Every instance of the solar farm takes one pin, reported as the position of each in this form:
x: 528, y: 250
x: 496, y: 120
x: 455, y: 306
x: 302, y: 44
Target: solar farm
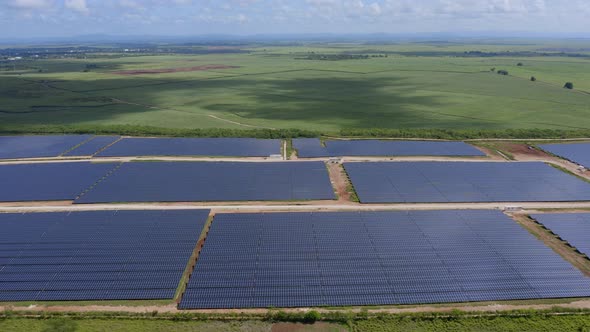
x: 223, y: 224
x: 579, y: 153
x: 313, y: 148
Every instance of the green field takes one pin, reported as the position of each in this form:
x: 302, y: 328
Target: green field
x: 393, y: 324
x: 415, y: 86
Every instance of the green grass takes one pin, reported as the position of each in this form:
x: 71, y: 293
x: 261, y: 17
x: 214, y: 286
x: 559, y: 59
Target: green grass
x: 126, y: 325
x: 455, y: 321
x: 473, y: 324
x: 271, y: 89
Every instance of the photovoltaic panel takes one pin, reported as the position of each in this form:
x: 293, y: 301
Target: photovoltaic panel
x: 311, y: 147
x: 213, y: 181
x: 573, y: 228
x: 92, y: 146
x: 222, y: 147
x: 374, y: 258
x: 13, y: 147
x: 96, y: 255
x: 578, y: 153
x: 418, y: 182
x: 49, y: 181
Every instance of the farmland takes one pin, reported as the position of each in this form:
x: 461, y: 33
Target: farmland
x: 413, y: 85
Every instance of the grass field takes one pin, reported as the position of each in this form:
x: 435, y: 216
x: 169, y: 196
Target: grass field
x: 273, y: 89
x: 395, y: 324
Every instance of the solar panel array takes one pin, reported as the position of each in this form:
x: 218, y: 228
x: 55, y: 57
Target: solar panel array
x: 374, y: 258
x: 311, y: 147
x: 92, y: 146
x: 571, y: 227
x: 227, y: 147
x: 13, y: 147
x: 49, y: 181
x: 576, y: 152
x: 213, y: 181
x: 99, y: 255
x: 416, y: 182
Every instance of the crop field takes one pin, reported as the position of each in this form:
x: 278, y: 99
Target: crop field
x: 402, y: 86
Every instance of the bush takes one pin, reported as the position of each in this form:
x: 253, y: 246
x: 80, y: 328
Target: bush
x: 311, y: 317
x: 533, y: 78
x: 519, y: 64
x: 569, y: 85
x: 503, y: 72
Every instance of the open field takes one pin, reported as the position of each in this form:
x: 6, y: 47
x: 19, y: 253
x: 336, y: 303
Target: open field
x: 456, y: 322
x: 415, y: 86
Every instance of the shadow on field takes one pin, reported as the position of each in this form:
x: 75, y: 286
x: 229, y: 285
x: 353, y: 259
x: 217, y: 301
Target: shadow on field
x: 362, y: 102
x: 337, y: 99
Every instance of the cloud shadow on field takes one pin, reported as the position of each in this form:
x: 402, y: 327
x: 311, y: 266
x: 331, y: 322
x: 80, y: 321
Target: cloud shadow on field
x: 351, y: 101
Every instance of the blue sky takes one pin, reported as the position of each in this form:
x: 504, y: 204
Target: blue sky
x: 63, y: 18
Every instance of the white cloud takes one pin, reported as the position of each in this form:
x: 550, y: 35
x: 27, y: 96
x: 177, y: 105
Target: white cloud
x: 30, y: 4
x: 375, y: 8
x: 77, y: 5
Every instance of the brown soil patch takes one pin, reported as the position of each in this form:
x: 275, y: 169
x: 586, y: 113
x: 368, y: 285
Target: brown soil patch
x: 171, y: 70
x: 521, y: 149
x: 339, y: 181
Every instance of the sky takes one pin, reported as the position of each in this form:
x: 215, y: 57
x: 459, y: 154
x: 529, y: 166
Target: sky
x: 67, y: 18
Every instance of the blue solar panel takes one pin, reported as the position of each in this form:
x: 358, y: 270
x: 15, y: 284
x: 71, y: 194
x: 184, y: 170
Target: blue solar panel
x: 92, y: 146
x: 416, y: 182
x: 571, y: 227
x: 311, y: 147
x: 578, y: 153
x: 213, y: 181
x: 226, y: 147
x: 96, y: 255
x: 12, y: 147
x: 374, y: 258
x: 49, y: 181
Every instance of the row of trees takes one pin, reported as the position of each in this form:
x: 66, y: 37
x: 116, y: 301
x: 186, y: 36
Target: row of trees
x: 447, y: 134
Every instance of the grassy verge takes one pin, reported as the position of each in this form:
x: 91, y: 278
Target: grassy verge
x: 192, y: 260
x: 350, y: 187
x: 494, y: 147
x: 290, y: 149
x: 523, y: 320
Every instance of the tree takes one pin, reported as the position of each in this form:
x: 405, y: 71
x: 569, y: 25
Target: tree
x: 533, y: 78
x: 569, y: 85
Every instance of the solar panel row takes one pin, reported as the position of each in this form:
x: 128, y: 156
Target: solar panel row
x: 571, y: 227
x: 226, y: 147
x: 311, y: 147
x: 14, y: 147
x: 576, y: 152
x: 92, y: 146
x: 413, y: 182
x: 373, y: 258
x: 49, y: 181
x: 164, y: 181
x: 213, y: 181
x: 96, y: 255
